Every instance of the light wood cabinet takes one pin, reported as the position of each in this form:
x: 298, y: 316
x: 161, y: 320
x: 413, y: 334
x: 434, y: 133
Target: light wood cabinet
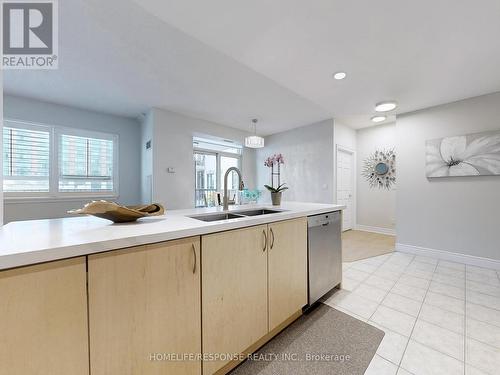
x: 43, y: 319
x: 140, y: 310
x: 254, y: 281
x: 145, y: 301
x: 287, y: 262
x: 234, y: 296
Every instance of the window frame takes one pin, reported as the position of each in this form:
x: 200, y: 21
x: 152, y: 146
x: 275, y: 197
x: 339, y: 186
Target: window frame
x: 55, y: 131
x: 218, y: 171
x: 9, y: 123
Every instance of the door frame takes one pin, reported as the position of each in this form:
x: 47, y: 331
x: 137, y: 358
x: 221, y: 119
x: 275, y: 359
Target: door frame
x: 354, y: 174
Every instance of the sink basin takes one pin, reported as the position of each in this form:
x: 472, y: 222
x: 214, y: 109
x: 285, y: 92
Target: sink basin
x: 220, y: 216
x: 216, y: 217
x: 263, y: 211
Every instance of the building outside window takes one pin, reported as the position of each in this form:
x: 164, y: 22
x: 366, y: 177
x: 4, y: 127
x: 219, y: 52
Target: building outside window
x: 26, y: 159
x: 56, y: 162
x: 85, y: 164
x: 211, y: 180
x: 212, y: 158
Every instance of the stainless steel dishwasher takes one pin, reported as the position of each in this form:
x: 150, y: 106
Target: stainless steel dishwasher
x: 324, y: 254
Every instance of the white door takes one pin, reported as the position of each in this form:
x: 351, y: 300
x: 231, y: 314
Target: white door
x: 345, y: 189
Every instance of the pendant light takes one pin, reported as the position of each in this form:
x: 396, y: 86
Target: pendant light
x: 254, y: 141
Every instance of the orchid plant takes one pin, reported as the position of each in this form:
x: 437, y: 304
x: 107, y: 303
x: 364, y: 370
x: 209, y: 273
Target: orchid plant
x: 272, y: 161
x: 278, y: 189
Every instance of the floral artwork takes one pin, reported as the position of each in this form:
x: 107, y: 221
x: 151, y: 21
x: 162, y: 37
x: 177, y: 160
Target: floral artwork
x: 467, y: 155
x: 380, y: 169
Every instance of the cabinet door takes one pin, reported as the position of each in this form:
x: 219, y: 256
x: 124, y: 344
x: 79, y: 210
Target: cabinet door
x: 287, y: 269
x: 145, y: 301
x: 43, y: 319
x: 234, y: 295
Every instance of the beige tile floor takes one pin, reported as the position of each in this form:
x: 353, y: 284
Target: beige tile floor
x: 439, y: 317
x: 358, y: 245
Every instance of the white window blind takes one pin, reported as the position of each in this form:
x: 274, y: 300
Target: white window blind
x: 217, y: 145
x: 85, y: 164
x: 46, y: 161
x: 26, y: 159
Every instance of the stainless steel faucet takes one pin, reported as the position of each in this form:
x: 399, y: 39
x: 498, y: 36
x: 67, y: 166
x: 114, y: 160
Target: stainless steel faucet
x: 242, y: 185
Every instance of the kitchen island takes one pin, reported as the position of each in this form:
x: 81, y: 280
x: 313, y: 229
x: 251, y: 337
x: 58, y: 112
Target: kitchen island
x: 168, y: 294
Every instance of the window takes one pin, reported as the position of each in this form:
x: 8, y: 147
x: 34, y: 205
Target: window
x: 51, y: 161
x: 85, y: 164
x: 26, y: 161
x: 211, y: 180
x: 206, y: 168
x: 226, y: 163
x: 212, y: 158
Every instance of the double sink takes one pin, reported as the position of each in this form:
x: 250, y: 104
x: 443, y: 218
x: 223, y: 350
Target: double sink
x: 220, y: 216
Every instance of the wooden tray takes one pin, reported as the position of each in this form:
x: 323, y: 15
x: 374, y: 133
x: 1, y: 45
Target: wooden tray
x: 119, y: 214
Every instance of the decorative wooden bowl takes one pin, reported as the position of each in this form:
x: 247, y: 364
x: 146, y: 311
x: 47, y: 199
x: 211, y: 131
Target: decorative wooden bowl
x: 118, y: 214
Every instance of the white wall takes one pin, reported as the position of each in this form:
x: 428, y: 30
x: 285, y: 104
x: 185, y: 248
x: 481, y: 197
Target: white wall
x: 376, y: 208
x: 308, y: 169
x: 1, y: 142
x: 173, y: 147
x: 47, y: 113
x: 345, y: 136
x: 147, y: 129
x: 458, y: 214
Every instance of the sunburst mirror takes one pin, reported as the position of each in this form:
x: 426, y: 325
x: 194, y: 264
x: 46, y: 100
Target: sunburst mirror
x: 380, y: 169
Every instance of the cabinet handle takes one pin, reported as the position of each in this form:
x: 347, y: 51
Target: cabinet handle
x: 272, y: 236
x: 195, y: 259
x: 265, y: 239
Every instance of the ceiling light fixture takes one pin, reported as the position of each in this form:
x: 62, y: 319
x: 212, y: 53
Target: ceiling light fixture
x: 254, y: 141
x: 379, y: 118
x: 339, y: 75
x: 386, y: 106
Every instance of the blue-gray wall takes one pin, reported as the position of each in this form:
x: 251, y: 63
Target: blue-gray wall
x: 129, y: 133
x: 172, y: 135
x: 455, y: 214
x: 308, y: 169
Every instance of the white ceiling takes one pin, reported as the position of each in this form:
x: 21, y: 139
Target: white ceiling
x: 363, y: 121
x: 420, y: 53
x: 228, y: 61
x: 117, y: 58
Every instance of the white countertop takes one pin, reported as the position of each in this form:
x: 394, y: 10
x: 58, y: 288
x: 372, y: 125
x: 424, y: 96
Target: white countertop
x: 35, y: 241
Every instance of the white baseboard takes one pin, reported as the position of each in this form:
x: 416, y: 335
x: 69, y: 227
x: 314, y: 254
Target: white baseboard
x: 366, y: 228
x: 448, y: 255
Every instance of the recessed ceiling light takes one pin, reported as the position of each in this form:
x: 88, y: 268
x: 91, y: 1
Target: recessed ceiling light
x: 340, y: 75
x: 385, y: 106
x: 376, y: 119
